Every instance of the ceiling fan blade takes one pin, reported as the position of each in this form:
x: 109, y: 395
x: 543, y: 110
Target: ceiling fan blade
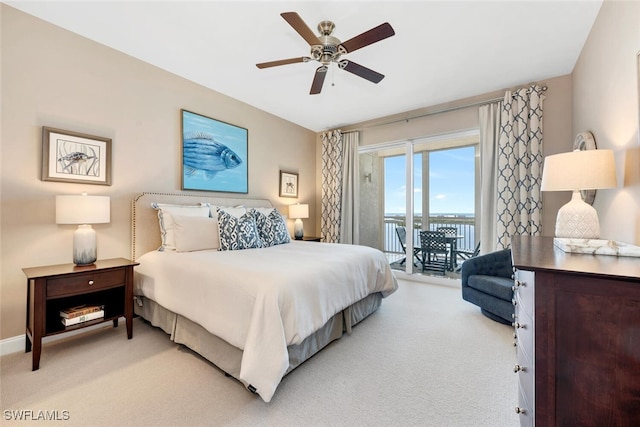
x: 374, y: 35
x: 360, y: 71
x: 283, y: 62
x: 301, y: 27
x: 318, y: 80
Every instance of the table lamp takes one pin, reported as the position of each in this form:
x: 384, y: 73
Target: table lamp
x: 575, y: 171
x: 83, y: 210
x: 297, y: 212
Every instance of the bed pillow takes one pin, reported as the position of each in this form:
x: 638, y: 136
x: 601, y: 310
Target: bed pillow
x: 165, y: 220
x: 272, y: 227
x: 195, y: 233
x: 238, y: 229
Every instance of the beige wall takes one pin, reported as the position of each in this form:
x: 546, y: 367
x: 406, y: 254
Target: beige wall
x: 52, y: 77
x: 606, y: 103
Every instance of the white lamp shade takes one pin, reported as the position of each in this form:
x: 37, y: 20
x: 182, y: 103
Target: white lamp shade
x: 579, y: 170
x: 83, y: 209
x: 575, y: 171
x: 298, y: 211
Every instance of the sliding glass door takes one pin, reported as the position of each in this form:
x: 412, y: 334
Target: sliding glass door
x: 442, y: 174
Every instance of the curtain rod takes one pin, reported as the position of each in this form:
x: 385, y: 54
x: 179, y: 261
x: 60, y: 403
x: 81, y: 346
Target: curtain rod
x: 444, y: 110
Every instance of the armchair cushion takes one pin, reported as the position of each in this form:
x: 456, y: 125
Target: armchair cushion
x: 499, y: 287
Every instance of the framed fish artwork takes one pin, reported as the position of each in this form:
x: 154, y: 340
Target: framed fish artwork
x: 214, y: 155
x: 75, y: 157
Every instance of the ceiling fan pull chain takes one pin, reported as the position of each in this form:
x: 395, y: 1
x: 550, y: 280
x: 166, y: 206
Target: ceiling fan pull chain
x: 333, y: 75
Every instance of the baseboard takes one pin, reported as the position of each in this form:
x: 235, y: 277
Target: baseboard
x: 12, y: 345
x: 16, y: 344
x: 432, y: 280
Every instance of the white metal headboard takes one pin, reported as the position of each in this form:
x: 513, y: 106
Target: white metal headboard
x: 145, y: 231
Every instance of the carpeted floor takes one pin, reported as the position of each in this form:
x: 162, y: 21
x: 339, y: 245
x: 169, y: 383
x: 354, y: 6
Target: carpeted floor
x: 425, y: 358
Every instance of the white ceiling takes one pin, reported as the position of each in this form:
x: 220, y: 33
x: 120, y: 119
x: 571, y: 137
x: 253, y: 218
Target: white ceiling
x: 442, y: 50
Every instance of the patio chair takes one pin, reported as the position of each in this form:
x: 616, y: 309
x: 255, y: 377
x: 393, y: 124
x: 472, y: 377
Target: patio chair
x: 401, y: 231
x: 433, y: 244
x: 466, y: 254
x: 451, y: 234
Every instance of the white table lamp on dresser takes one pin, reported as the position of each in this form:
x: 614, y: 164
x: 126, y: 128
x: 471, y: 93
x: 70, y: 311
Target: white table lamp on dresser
x: 576, y: 171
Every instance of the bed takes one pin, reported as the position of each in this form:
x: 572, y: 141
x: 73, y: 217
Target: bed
x: 256, y: 304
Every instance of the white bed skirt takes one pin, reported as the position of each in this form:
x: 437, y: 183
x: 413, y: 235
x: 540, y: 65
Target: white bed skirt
x: 227, y: 357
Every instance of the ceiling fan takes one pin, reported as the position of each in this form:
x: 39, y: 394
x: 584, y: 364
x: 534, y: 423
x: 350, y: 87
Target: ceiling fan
x: 327, y: 49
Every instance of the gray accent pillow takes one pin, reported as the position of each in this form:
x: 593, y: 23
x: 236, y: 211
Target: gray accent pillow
x: 272, y: 227
x: 238, y: 229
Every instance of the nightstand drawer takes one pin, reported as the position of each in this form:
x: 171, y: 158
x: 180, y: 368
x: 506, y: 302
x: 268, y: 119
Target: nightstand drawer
x: 81, y: 283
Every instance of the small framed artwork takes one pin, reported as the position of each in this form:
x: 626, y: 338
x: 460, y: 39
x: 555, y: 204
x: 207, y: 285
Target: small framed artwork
x: 288, y: 184
x: 214, y: 155
x: 75, y: 157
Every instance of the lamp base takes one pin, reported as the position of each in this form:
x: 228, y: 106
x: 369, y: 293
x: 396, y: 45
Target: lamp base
x: 297, y: 229
x: 84, y: 245
x: 577, y: 220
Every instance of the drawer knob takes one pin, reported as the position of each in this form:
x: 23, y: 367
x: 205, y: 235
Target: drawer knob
x: 518, y: 368
x: 90, y: 282
x: 518, y: 325
x: 517, y: 284
x: 520, y: 410
x: 514, y: 302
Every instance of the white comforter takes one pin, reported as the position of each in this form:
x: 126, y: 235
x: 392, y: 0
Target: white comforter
x: 262, y: 300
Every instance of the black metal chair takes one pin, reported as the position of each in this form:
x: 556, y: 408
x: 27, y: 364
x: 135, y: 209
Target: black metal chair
x: 451, y: 234
x: 433, y: 245
x: 401, y: 231
x: 466, y: 254
x: 449, y: 231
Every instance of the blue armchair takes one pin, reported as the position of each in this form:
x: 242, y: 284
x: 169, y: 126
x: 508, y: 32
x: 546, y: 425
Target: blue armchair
x: 487, y: 282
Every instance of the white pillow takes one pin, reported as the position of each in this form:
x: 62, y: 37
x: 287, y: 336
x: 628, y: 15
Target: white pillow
x: 194, y: 233
x: 165, y: 212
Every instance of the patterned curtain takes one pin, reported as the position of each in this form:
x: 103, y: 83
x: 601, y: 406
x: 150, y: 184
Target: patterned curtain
x: 519, y: 207
x: 331, y: 185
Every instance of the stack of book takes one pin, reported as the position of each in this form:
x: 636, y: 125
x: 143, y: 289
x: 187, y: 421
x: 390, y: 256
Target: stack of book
x: 83, y: 313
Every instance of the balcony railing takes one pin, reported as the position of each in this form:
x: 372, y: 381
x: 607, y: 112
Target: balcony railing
x: 463, y: 223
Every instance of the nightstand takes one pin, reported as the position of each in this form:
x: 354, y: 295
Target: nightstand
x: 57, y: 287
x: 310, y: 239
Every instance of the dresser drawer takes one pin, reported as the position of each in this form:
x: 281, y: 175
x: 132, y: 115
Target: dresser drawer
x: 525, y: 409
x: 523, y: 287
x: 524, y: 336
x: 82, y: 283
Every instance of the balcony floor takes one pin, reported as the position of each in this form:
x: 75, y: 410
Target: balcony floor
x: 395, y: 258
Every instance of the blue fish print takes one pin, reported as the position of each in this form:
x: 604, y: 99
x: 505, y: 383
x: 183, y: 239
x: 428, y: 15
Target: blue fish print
x: 202, y: 153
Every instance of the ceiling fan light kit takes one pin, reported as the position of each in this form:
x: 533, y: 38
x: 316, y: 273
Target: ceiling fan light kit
x: 327, y: 49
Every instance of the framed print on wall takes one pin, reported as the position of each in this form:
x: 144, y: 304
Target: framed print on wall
x: 288, y: 184
x: 214, y: 155
x: 75, y: 157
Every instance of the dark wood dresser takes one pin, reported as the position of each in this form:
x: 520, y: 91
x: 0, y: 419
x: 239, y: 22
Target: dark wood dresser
x: 577, y: 330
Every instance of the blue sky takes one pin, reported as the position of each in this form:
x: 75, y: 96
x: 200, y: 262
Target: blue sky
x: 451, y: 182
